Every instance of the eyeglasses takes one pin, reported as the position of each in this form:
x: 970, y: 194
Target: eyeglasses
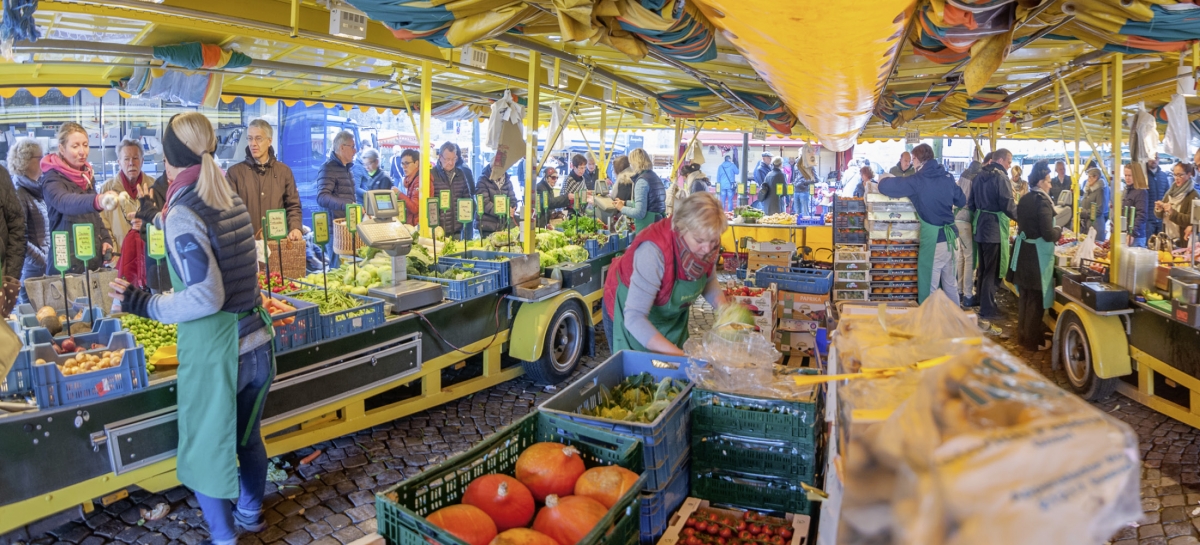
x: 406, y: 163
x: 1180, y: 174
x: 348, y: 146
x: 551, y: 177
x: 257, y: 139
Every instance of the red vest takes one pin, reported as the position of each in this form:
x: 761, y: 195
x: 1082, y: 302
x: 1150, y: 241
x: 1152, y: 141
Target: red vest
x: 662, y: 235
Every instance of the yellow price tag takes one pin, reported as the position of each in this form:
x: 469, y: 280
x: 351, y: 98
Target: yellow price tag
x: 444, y: 199
x: 156, y: 243
x: 320, y: 223
x: 85, y: 242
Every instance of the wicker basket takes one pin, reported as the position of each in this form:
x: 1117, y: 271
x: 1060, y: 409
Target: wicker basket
x: 295, y: 261
x: 341, y: 238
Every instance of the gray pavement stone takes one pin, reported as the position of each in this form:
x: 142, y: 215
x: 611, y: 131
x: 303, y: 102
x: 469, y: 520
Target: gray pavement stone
x: 348, y: 534
x: 319, y: 529
x: 299, y: 537
x: 293, y: 523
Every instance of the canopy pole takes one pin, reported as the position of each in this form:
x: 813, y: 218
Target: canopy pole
x: 1118, y: 99
x: 1079, y: 124
x: 570, y: 108
x: 408, y: 108
x: 425, y: 169
x: 531, y: 138
x: 295, y: 19
x: 602, y: 160
x: 616, y: 134
x: 586, y: 142
x: 1075, y: 181
x: 992, y: 137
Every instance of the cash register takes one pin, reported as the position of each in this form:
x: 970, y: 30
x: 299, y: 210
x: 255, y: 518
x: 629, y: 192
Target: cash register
x: 382, y: 231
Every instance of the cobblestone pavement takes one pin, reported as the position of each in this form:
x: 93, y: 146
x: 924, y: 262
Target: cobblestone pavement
x: 331, y: 500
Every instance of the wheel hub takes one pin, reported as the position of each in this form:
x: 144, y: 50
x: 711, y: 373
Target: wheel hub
x: 1076, y: 355
x: 566, y: 341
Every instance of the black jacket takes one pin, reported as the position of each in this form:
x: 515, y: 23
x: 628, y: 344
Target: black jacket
x: 544, y: 191
x: 12, y: 229
x: 377, y: 182
x: 68, y: 205
x: 761, y: 172
x: 991, y: 190
x: 335, y: 187
x: 37, y: 228
x: 1035, y: 218
x: 767, y: 193
x: 461, y: 186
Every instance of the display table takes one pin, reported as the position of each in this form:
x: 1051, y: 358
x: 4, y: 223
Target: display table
x: 816, y: 237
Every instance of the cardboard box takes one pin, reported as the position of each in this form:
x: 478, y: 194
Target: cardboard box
x: 792, y: 343
x: 773, y: 246
x: 850, y: 295
x: 851, y: 276
x: 759, y: 303
x: 674, y: 533
x: 758, y: 260
x: 802, y: 306
x: 800, y: 326
x: 864, y: 285
x: 851, y: 266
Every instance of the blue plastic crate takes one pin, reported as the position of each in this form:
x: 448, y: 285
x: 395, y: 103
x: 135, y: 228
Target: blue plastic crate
x: 304, y: 330
x: 657, y: 507
x: 795, y: 279
x: 460, y: 290
x: 19, y: 380
x: 595, y: 249
x: 368, y: 315
x: 102, y: 331
x: 26, y: 316
x: 53, y: 389
x: 810, y: 222
x: 667, y: 439
x: 623, y: 241
x: 80, y: 305
x: 480, y: 259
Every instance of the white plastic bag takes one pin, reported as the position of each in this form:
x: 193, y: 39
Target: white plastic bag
x: 1086, y: 249
x: 1143, y: 144
x: 558, y: 118
x: 1176, y: 141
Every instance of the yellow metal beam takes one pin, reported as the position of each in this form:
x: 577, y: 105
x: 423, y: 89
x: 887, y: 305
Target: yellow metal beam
x: 424, y: 165
x: 1118, y: 101
x: 531, y: 138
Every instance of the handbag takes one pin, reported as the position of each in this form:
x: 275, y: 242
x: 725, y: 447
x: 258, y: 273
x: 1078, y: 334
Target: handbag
x: 47, y: 291
x: 292, y: 253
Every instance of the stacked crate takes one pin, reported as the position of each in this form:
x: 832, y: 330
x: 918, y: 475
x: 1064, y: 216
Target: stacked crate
x: 754, y: 452
x: 894, y: 241
x: 851, y: 273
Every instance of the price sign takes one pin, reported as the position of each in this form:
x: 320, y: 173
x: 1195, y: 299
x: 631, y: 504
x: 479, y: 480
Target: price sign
x: 353, y: 216
x: 85, y: 242
x: 156, y: 243
x: 432, y: 206
x: 791, y: 189
x: 62, y: 250
x: 479, y: 203
x: 444, y: 199
x: 500, y: 205
x: 912, y: 137
x: 276, y: 224
x: 320, y: 223
x: 741, y: 189
x: 759, y: 133
x: 779, y: 189
x: 465, y: 211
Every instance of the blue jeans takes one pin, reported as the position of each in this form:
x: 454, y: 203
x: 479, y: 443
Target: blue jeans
x: 803, y: 205
x: 1139, y: 242
x: 728, y: 198
x: 255, y: 371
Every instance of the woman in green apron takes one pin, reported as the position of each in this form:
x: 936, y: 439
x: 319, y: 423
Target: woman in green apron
x: 1033, y: 259
x: 649, y: 193
x: 225, y: 349
x: 650, y: 289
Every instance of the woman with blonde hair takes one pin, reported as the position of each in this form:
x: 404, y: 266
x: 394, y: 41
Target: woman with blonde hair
x: 69, y: 189
x: 1020, y: 186
x: 225, y: 353
x: 649, y: 193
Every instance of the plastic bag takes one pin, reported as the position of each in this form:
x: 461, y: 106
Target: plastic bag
x: 990, y: 452
x: 1086, y: 249
x: 897, y: 340
x: 1143, y: 142
x: 740, y: 361
x: 1176, y: 141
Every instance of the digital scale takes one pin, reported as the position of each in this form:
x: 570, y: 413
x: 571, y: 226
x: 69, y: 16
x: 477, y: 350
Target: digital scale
x: 381, y: 231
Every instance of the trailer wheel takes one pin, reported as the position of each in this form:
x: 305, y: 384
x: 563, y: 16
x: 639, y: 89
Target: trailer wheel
x: 564, y: 344
x: 1075, y: 353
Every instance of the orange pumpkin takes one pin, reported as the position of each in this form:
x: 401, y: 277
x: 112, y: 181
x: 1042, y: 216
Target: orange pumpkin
x: 549, y: 468
x: 508, y: 502
x: 523, y: 536
x: 606, y: 484
x: 568, y: 519
x: 466, y: 522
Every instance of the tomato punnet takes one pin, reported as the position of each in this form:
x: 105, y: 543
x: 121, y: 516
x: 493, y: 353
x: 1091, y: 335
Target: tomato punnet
x: 508, y: 502
x: 549, y: 468
x: 568, y: 519
x: 466, y: 522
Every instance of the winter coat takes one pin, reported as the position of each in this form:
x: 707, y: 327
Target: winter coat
x: 1139, y: 199
x: 412, y: 199
x: 1035, y: 218
x: 1159, y: 182
x: 899, y: 172
x: 37, y: 228
x: 544, y: 191
x: 379, y: 181
x: 727, y: 176
x: 1102, y: 199
x: 12, y: 228
x: 68, y: 205
x: 767, y: 194
x: 761, y: 171
x: 117, y: 220
x: 460, y: 186
x: 335, y: 187
x: 270, y: 186
x: 991, y: 191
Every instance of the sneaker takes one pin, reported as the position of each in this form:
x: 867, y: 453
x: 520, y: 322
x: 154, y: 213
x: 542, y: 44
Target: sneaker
x: 968, y: 302
x: 1045, y: 346
x: 251, y: 523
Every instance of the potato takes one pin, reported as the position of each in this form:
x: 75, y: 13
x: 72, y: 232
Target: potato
x: 70, y: 362
x: 39, y: 361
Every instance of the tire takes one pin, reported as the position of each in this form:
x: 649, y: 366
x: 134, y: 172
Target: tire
x: 1075, y: 353
x: 563, y: 346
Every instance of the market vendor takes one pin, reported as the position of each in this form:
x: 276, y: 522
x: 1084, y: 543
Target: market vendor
x: 224, y: 337
x: 1033, y: 259
x: 992, y: 205
x: 1175, y: 209
x: 649, y: 193
x: 935, y: 196
x: 649, y: 292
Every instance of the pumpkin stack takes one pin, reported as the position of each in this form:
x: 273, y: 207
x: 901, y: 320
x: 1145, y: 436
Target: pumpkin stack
x: 497, y: 509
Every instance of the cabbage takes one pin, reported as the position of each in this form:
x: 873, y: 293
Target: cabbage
x: 548, y: 260
x: 733, y: 313
x: 575, y: 254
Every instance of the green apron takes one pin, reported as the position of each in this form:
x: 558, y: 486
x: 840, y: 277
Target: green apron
x: 207, y: 401
x: 925, y: 254
x: 1005, y: 233
x: 1045, y: 257
x: 646, y: 221
x: 671, y: 319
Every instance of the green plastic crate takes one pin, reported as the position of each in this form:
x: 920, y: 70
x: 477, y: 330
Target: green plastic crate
x: 762, y: 494
x: 719, y: 413
x: 401, y: 509
x: 783, y: 459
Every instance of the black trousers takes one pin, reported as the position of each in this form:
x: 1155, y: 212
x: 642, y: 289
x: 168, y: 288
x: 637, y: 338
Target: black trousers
x: 1031, y: 330
x: 986, y: 278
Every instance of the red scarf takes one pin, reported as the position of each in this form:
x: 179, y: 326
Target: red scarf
x: 130, y: 187
x: 185, y: 178
x: 80, y: 177
x: 690, y: 265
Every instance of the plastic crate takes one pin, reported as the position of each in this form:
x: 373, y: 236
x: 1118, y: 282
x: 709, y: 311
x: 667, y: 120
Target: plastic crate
x: 80, y: 304
x: 368, y: 315
x: 658, y: 506
x: 401, y: 509
x: 102, y: 331
x: 624, y: 241
x: 52, y: 389
x: 26, y: 315
x: 19, y: 380
x: 666, y: 439
x: 303, y: 331
x: 480, y: 260
x: 815, y: 221
x: 720, y: 413
x: 763, y: 494
x: 781, y: 459
x: 795, y: 279
x: 460, y: 290
x: 844, y: 204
